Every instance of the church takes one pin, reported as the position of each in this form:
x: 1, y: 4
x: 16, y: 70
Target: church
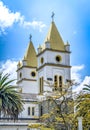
x: 50, y: 65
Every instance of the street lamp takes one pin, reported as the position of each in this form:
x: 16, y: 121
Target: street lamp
x: 79, y: 123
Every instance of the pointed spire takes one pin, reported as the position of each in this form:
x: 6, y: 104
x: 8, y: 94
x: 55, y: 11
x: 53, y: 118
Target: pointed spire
x: 19, y: 64
x: 24, y: 58
x: 67, y: 43
x: 54, y: 38
x: 67, y: 46
x: 30, y: 55
x: 39, y: 49
x: 39, y: 46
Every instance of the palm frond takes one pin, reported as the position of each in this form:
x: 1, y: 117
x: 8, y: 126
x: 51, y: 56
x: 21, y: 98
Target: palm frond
x: 9, y: 97
x: 87, y: 87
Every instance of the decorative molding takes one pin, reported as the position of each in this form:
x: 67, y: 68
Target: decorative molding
x: 26, y: 80
x: 51, y: 64
x: 49, y: 49
x: 31, y: 67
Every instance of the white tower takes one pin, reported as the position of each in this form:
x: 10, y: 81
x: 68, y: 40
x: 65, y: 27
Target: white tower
x: 53, y: 61
x: 26, y: 71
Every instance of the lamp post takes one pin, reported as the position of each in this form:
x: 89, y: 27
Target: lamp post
x: 80, y: 123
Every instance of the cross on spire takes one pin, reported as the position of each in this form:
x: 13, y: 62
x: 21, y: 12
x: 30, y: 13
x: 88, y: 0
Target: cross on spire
x: 30, y: 37
x: 52, y: 16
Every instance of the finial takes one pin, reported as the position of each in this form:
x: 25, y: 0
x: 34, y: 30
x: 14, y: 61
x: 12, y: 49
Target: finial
x: 67, y: 43
x: 39, y: 46
x: 24, y: 58
x: 52, y: 16
x: 19, y: 63
x: 30, y: 37
x: 47, y: 40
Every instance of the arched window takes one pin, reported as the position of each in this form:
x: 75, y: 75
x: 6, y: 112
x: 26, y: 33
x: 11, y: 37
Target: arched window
x: 28, y: 111
x: 41, y: 110
x: 20, y: 75
x: 33, y: 111
x: 60, y: 83
x: 55, y: 82
x: 41, y: 84
x: 42, y: 60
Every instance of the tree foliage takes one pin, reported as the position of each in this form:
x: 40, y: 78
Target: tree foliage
x: 58, y: 109
x: 83, y: 109
x: 59, y: 106
x: 10, y: 100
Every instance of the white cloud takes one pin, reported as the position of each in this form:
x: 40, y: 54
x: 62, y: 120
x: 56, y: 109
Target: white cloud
x: 10, y: 67
x: 75, y: 74
x: 8, y: 18
x: 35, y: 24
x: 85, y: 81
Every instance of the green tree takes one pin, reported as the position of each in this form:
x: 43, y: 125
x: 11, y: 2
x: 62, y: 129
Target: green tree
x: 10, y: 100
x: 83, y: 109
x: 58, y: 110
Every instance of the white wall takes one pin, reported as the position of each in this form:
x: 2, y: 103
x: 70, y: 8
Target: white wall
x: 26, y: 73
x: 16, y: 127
x: 29, y: 83
x: 9, y: 127
x: 24, y: 113
x: 49, y: 57
x: 51, y: 71
x: 29, y: 87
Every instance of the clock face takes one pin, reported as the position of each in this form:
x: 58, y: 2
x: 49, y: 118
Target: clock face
x: 58, y: 58
x: 33, y: 74
x: 42, y: 60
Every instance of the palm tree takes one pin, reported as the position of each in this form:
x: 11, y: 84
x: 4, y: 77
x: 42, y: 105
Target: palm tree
x: 10, y: 100
x: 87, y: 87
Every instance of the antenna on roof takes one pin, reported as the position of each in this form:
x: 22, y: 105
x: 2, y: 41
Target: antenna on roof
x: 52, y: 16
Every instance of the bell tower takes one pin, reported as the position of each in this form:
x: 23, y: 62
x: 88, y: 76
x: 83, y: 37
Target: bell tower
x: 26, y: 71
x: 53, y: 60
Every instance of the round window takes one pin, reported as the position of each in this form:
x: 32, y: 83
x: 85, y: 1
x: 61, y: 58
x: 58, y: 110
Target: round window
x: 42, y: 60
x: 33, y: 74
x: 58, y: 58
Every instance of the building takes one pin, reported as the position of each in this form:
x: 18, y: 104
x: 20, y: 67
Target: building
x: 50, y: 64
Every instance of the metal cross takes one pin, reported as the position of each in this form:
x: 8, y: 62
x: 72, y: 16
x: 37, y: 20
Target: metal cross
x: 30, y: 37
x: 52, y: 16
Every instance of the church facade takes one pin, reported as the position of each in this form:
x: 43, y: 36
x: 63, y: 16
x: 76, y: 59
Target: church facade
x: 37, y: 71
x: 51, y: 65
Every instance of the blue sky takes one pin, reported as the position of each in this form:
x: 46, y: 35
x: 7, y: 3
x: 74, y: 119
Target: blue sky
x: 20, y: 18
